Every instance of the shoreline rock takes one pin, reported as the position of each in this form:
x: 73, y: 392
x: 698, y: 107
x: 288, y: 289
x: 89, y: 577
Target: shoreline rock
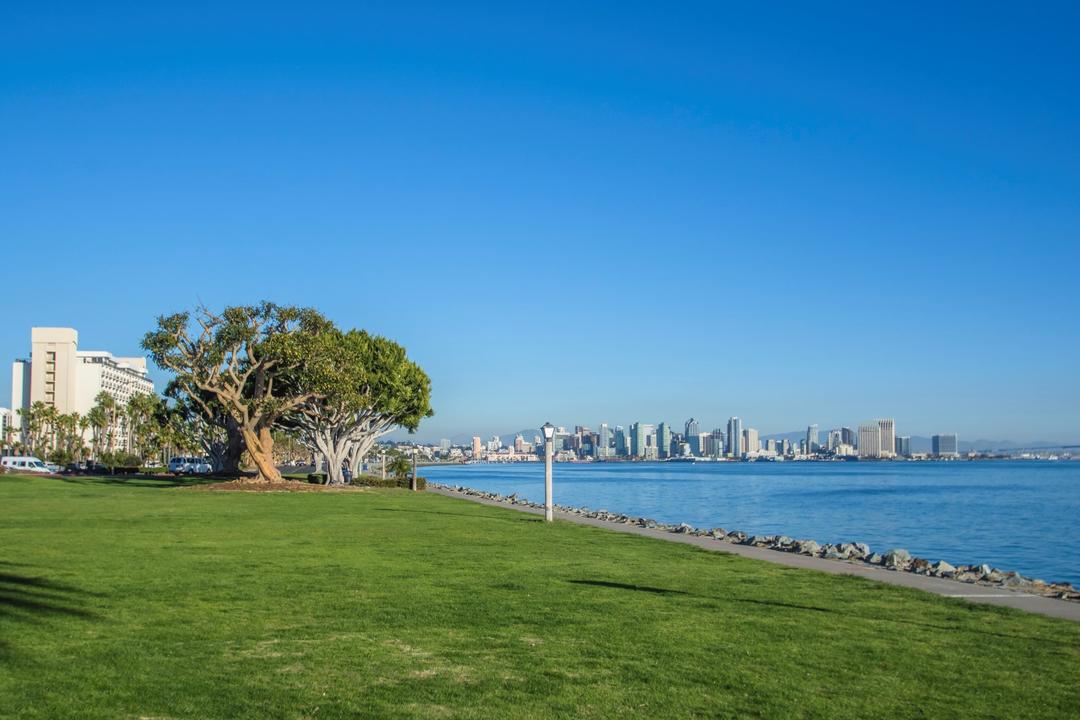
x: 896, y: 559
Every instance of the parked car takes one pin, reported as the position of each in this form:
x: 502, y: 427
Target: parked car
x: 24, y: 464
x: 190, y: 466
x: 53, y: 467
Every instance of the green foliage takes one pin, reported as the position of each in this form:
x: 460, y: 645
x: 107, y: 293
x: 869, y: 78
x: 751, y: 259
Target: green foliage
x: 390, y: 482
x: 387, y: 604
x: 399, y: 467
x: 250, y: 359
x: 317, y: 478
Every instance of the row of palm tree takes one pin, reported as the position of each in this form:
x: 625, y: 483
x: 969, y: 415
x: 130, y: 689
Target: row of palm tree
x: 144, y: 430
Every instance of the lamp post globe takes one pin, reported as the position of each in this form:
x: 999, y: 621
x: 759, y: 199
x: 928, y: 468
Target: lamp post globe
x: 549, y: 433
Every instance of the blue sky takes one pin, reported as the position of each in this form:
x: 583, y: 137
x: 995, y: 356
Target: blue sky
x: 611, y: 212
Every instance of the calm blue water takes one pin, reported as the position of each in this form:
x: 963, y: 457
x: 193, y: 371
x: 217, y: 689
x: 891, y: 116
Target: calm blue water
x: 1014, y: 515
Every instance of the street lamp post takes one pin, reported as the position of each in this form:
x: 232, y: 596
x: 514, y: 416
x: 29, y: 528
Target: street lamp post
x: 549, y: 433
x: 412, y: 481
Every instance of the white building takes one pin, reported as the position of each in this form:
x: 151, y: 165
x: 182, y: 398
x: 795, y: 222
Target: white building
x: 870, y: 440
x: 888, y: 437
x: 60, y: 375
x: 6, y: 426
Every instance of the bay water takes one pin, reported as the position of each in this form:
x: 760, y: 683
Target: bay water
x: 1014, y: 515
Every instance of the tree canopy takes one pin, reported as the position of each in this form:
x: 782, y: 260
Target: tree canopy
x: 266, y: 366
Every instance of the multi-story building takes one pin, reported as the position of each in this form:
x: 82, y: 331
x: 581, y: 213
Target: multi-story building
x: 663, y: 440
x: 735, y: 438
x: 835, y: 439
x: 812, y: 439
x: 870, y: 440
x: 637, y: 440
x: 622, y: 448
x: 7, y: 430
x: 903, y: 446
x: 945, y: 446
x: 888, y: 437
x: 691, y: 429
x: 60, y: 375
x: 751, y: 443
x: 848, y: 437
x: 477, y: 447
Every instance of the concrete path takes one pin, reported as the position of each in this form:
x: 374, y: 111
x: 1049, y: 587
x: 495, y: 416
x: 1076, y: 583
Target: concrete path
x: 949, y: 588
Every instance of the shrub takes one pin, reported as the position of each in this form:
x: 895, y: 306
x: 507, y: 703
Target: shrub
x: 391, y: 482
x: 317, y: 478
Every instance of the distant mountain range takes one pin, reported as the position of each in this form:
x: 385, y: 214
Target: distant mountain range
x: 919, y: 443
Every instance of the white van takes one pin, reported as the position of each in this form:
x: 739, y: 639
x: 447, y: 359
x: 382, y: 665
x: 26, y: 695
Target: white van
x: 23, y: 464
x: 189, y: 465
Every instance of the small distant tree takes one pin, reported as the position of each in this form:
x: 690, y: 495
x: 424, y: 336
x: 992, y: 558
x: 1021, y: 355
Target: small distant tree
x: 247, y: 358
x: 400, y: 467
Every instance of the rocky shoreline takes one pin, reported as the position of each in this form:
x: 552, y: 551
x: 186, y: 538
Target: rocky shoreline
x: 897, y: 559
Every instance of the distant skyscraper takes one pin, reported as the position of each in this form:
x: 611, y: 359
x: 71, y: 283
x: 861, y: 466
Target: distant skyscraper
x: 847, y: 437
x: 691, y: 429
x: 835, y: 439
x: 444, y: 445
x: 603, y: 442
x: 888, y: 436
x: 945, y: 445
x: 637, y: 440
x: 621, y: 446
x: 870, y: 440
x: 903, y: 446
x: 751, y: 443
x: 812, y: 439
x: 519, y: 444
x: 477, y: 448
x: 663, y: 440
x: 734, y: 433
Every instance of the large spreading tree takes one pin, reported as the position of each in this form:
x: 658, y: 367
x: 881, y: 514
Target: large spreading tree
x: 247, y: 358
x: 362, y: 387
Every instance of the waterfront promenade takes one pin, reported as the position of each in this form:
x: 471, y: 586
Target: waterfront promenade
x: 948, y: 588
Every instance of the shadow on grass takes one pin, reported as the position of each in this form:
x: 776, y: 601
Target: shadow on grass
x: 26, y: 597
x: 144, y: 481
x: 839, y: 612
x: 525, y: 516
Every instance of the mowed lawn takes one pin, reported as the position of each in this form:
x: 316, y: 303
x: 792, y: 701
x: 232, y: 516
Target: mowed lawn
x: 138, y: 599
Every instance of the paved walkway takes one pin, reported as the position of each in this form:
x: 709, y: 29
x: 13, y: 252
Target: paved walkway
x: 949, y: 588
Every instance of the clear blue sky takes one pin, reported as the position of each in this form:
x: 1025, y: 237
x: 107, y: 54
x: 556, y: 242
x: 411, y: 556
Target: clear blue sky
x: 576, y: 212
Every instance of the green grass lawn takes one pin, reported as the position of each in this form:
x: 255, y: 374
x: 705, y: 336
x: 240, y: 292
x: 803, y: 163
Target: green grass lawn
x: 140, y: 599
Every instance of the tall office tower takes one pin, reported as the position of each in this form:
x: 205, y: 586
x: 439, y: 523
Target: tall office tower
x: 637, y: 440
x: 604, y: 441
x: 622, y: 448
x: 903, y: 446
x: 444, y: 445
x: 495, y: 444
x: 734, y: 434
x: 770, y: 446
x: 888, y: 437
x: 691, y: 429
x: 847, y: 437
x: 835, y: 440
x: 785, y: 446
x: 716, y: 443
x: 477, y: 447
x: 751, y: 443
x: 870, y: 440
x: 944, y: 446
x: 663, y: 441
x: 812, y: 438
